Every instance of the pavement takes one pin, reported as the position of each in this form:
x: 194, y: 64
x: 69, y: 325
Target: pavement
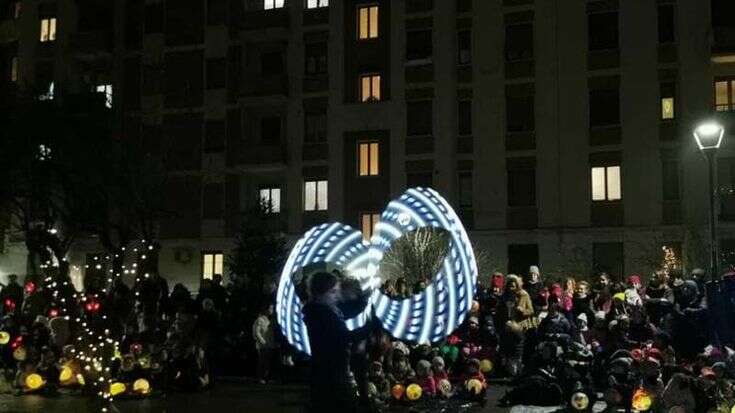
x: 226, y: 396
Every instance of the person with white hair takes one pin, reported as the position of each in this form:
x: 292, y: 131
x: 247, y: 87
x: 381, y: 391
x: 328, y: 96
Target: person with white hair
x: 534, y: 285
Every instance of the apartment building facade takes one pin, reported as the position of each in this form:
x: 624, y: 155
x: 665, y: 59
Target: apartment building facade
x: 560, y: 130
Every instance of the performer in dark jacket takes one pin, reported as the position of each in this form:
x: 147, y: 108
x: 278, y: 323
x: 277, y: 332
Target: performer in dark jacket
x: 330, y: 347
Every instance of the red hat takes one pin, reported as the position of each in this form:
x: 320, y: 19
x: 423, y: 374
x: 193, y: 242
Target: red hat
x: 497, y: 280
x: 555, y: 290
x: 634, y: 279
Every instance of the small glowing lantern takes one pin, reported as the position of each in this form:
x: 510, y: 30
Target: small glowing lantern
x: 34, y: 381
x: 413, y: 392
x: 141, y: 386
x: 397, y: 391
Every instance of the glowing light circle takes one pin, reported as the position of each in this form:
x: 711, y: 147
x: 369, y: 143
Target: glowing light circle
x: 426, y: 317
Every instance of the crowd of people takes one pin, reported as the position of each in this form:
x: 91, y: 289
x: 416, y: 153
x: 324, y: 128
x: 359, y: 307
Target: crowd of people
x: 629, y: 339
x: 645, y: 346
x: 171, y: 339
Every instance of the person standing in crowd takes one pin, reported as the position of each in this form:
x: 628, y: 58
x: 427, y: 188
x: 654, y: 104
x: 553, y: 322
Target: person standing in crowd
x: 264, y: 338
x: 518, y: 315
x: 533, y: 284
x: 13, y: 292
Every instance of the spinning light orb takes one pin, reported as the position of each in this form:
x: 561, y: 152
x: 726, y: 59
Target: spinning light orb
x: 426, y: 317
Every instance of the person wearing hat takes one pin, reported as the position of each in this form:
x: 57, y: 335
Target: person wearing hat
x: 533, y: 284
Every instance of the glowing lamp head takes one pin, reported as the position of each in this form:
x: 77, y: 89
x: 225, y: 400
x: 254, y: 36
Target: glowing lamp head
x: 474, y: 386
x: 53, y: 313
x: 30, y: 287
x: 117, y: 388
x: 4, y: 337
x: 579, y: 401
x: 397, y: 391
x: 486, y: 366
x: 66, y: 376
x: 445, y: 388
x: 413, y: 392
x: 19, y: 354
x: 642, y: 400
x: 141, y: 386
x: 709, y: 135
x: 34, y: 381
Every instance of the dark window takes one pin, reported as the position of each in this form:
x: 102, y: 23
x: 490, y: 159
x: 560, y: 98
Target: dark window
x: 131, y: 83
x: 521, y: 257
x: 603, y: 31
x: 604, y: 107
x: 216, y: 69
x: 464, y: 47
x: 213, y: 201
x: 608, y: 257
x: 670, y: 177
x: 154, y: 18
x: 418, y: 44
x: 522, y: 187
x: 270, y: 130
x: 216, y: 12
x: 464, y: 117
x: 214, y: 140
x: 423, y: 179
x: 419, y: 117
x: 520, y: 113
x: 271, y: 63
x: 465, y: 190
x: 134, y: 18
x: 316, y: 58
x: 519, y: 42
x: 315, y: 127
x: 184, y: 79
x: 184, y: 22
x: 666, y: 25
x: 417, y: 6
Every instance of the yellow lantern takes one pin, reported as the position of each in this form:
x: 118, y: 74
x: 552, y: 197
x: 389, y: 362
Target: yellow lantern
x: 80, y: 379
x: 474, y: 386
x: 66, y: 375
x: 34, y: 381
x: 413, y: 392
x: 19, y: 354
x: 486, y: 366
x: 4, y: 337
x: 397, y: 391
x: 641, y: 400
x: 580, y: 401
x: 141, y: 386
x: 733, y: 409
x: 117, y: 388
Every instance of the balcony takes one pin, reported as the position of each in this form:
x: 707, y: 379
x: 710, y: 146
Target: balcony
x: 92, y: 45
x: 319, y: 15
x: 520, y: 140
x: 274, y: 85
x: 262, y: 154
x: 8, y: 31
x: 607, y: 214
x: 315, y: 151
x: 522, y: 217
x: 264, y: 19
x: 723, y: 40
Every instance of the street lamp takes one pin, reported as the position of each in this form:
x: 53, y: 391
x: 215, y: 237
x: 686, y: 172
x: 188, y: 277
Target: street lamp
x: 709, y: 138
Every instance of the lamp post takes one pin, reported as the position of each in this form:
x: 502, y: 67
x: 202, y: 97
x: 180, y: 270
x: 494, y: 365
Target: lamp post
x: 709, y: 138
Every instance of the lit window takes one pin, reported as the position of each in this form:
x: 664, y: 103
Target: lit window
x: 271, y: 198
x: 315, y: 4
x: 315, y: 196
x: 606, y: 183
x: 667, y: 108
x: 107, y: 90
x: 368, y: 159
x: 369, y: 88
x: 49, y: 95
x: 273, y: 4
x: 44, y: 152
x: 725, y: 95
x: 212, y: 263
x: 367, y: 22
x: 368, y: 222
x: 48, y: 29
x: 14, y: 69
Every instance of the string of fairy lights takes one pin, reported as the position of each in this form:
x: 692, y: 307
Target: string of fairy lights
x: 95, y: 349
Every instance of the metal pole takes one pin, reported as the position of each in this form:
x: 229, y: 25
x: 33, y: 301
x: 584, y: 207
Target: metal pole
x: 714, y: 275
